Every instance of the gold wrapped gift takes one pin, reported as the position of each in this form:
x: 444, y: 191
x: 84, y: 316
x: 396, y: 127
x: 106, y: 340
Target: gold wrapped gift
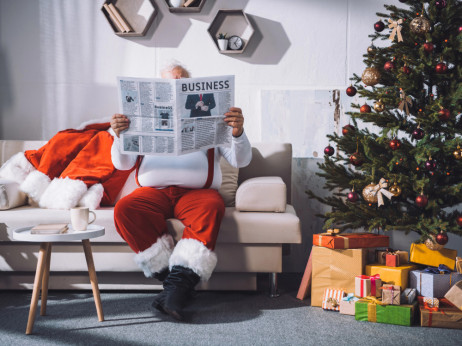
x: 423, y: 255
x: 335, y: 268
x: 391, y: 275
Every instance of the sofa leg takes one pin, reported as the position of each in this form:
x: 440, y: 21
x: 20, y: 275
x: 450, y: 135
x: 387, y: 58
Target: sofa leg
x: 274, y: 293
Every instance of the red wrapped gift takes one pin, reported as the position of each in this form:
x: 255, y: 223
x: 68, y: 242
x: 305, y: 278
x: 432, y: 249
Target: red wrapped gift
x: 335, y: 240
x: 392, y: 260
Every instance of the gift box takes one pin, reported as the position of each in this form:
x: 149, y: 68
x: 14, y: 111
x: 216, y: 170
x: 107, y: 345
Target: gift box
x: 429, y: 283
x: 408, y: 296
x: 334, y: 268
x: 331, y: 299
x: 381, y: 256
x: 392, y: 260
x: 459, y: 264
x: 446, y: 316
x: 391, y: 294
x: 347, y: 304
x: 431, y: 302
x: 423, y: 255
x: 350, y: 240
x: 374, y: 311
x: 454, y: 295
x: 368, y: 286
x: 391, y: 275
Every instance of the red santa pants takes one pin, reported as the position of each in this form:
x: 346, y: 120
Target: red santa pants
x: 140, y: 218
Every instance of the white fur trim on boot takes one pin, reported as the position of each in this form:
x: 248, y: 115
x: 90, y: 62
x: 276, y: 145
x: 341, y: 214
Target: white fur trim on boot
x: 92, y: 198
x: 16, y: 168
x: 155, y: 258
x: 35, y: 185
x: 63, y: 193
x: 192, y: 254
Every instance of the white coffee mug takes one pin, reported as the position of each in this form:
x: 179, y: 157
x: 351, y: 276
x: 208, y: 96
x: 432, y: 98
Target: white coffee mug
x: 80, y: 218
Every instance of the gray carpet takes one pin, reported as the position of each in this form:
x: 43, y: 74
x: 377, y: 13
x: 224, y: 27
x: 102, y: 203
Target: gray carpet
x: 216, y: 318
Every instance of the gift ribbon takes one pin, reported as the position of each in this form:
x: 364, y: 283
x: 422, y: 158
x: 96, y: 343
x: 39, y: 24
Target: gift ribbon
x: 350, y: 297
x: 396, y: 26
x: 333, y: 301
x: 373, y: 283
x: 392, y: 289
x: 442, y: 269
x: 333, y: 233
x: 380, y: 189
x: 405, y: 103
x: 430, y: 311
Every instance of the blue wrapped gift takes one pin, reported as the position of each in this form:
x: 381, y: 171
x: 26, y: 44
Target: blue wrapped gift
x: 408, y: 296
x: 433, y: 283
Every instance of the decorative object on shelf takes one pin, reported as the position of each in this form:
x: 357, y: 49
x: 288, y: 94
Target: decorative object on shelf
x: 379, y: 106
x: 406, y: 102
x: 441, y: 68
x: 365, y: 108
x: 235, y: 22
x: 444, y: 114
x: 457, y: 153
x: 396, y: 29
x: 176, y: 3
x: 222, y: 41
x: 136, y: 20
x: 379, y: 26
x: 351, y: 91
x: 348, y: 129
x: 329, y: 150
x: 371, y: 76
x: 428, y: 47
x: 420, y: 25
x: 373, y: 193
x: 185, y: 6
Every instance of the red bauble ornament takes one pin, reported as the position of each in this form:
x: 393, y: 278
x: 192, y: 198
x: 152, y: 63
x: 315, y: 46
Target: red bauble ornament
x: 421, y: 201
x: 394, y: 144
x: 460, y: 29
x: 440, y: 4
x: 351, y: 91
x: 356, y: 159
x: 407, y: 69
x: 352, y: 196
x: 441, y: 67
x: 379, y: 26
x: 428, y: 47
x: 365, y: 108
x: 459, y: 220
x: 389, y: 65
x: 347, y: 129
x: 418, y: 133
x: 430, y: 165
x: 442, y: 238
x: 329, y: 150
x: 444, y: 114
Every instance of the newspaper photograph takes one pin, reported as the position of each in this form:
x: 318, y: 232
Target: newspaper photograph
x: 175, y: 116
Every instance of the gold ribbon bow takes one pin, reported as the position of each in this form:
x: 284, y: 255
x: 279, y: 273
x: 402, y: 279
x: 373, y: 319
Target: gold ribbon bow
x: 380, y: 190
x: 405, y: 103
x: 333, y: 301
x: 396, y: 26
x: 331, y: 231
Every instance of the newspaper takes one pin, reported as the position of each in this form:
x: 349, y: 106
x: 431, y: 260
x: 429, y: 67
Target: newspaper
x: 175, y: 116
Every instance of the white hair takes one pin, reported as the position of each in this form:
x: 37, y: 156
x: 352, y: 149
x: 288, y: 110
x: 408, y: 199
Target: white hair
x: 173, y: 65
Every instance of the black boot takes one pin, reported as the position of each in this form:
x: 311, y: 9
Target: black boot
x: 162, y: 275
x: 178, y: 287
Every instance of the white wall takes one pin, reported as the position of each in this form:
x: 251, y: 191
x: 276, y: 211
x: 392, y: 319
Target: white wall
x: 59, y: 60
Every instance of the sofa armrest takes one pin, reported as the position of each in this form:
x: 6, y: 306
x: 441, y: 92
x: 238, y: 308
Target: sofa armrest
x: 262, y: 194
x: 10, y: 194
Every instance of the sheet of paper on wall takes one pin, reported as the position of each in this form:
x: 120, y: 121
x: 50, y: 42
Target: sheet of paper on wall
x: 175, y: 116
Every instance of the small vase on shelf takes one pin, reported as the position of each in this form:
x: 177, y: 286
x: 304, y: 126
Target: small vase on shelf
x: 222, y: 41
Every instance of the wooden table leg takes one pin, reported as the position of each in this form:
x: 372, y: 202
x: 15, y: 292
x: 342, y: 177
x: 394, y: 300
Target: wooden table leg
x: 36, y: 290
x: 306, y: 281
x: 93, y: 278
x: 46, y: 276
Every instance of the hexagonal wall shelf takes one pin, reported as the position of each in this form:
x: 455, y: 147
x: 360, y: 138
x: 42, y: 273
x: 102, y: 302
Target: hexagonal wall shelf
x: 137, y: 16
x: 231, y: 22
x: 192, y: 6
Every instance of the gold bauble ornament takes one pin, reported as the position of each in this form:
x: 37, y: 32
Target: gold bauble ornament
x: 371, y: 76
x: 420, y: 25
x: 369, y: 194
x: 432, y: 244
x: 457, y: 153
x: 379, y: 106
x: 395, y: 189
x: 371, y: 49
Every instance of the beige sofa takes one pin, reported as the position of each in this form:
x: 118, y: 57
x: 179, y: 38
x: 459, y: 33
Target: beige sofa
x: 250, y: 241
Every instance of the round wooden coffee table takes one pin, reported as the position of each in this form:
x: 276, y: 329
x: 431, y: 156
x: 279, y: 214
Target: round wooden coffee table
x: 42, y: 272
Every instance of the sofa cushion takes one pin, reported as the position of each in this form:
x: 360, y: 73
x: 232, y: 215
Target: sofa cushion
x: 262, y: 194
x: 10, y: 195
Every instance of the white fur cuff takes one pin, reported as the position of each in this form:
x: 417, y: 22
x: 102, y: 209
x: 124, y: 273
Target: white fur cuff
x: 16, y: 168
x: 63, y: 193
x: 92, y: 197
x: 192, y: 254
x: 35, y: 185
x: 155, y: 258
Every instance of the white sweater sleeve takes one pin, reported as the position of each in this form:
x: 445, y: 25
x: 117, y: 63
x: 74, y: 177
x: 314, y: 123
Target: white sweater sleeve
x: 121, y: 161
x: 240, y: 153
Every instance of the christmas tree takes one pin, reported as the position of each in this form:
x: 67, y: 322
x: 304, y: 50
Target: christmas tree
x: 407, y: 177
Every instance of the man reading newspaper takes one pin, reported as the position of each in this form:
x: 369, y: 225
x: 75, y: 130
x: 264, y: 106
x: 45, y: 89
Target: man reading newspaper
x: 183, y: 187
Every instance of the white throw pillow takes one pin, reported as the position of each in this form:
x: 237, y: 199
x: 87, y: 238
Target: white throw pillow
x: 10, y: 195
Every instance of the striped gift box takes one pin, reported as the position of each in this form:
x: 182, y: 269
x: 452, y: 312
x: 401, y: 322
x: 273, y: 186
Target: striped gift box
x: 431, y: 302
x: 331, y: 299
